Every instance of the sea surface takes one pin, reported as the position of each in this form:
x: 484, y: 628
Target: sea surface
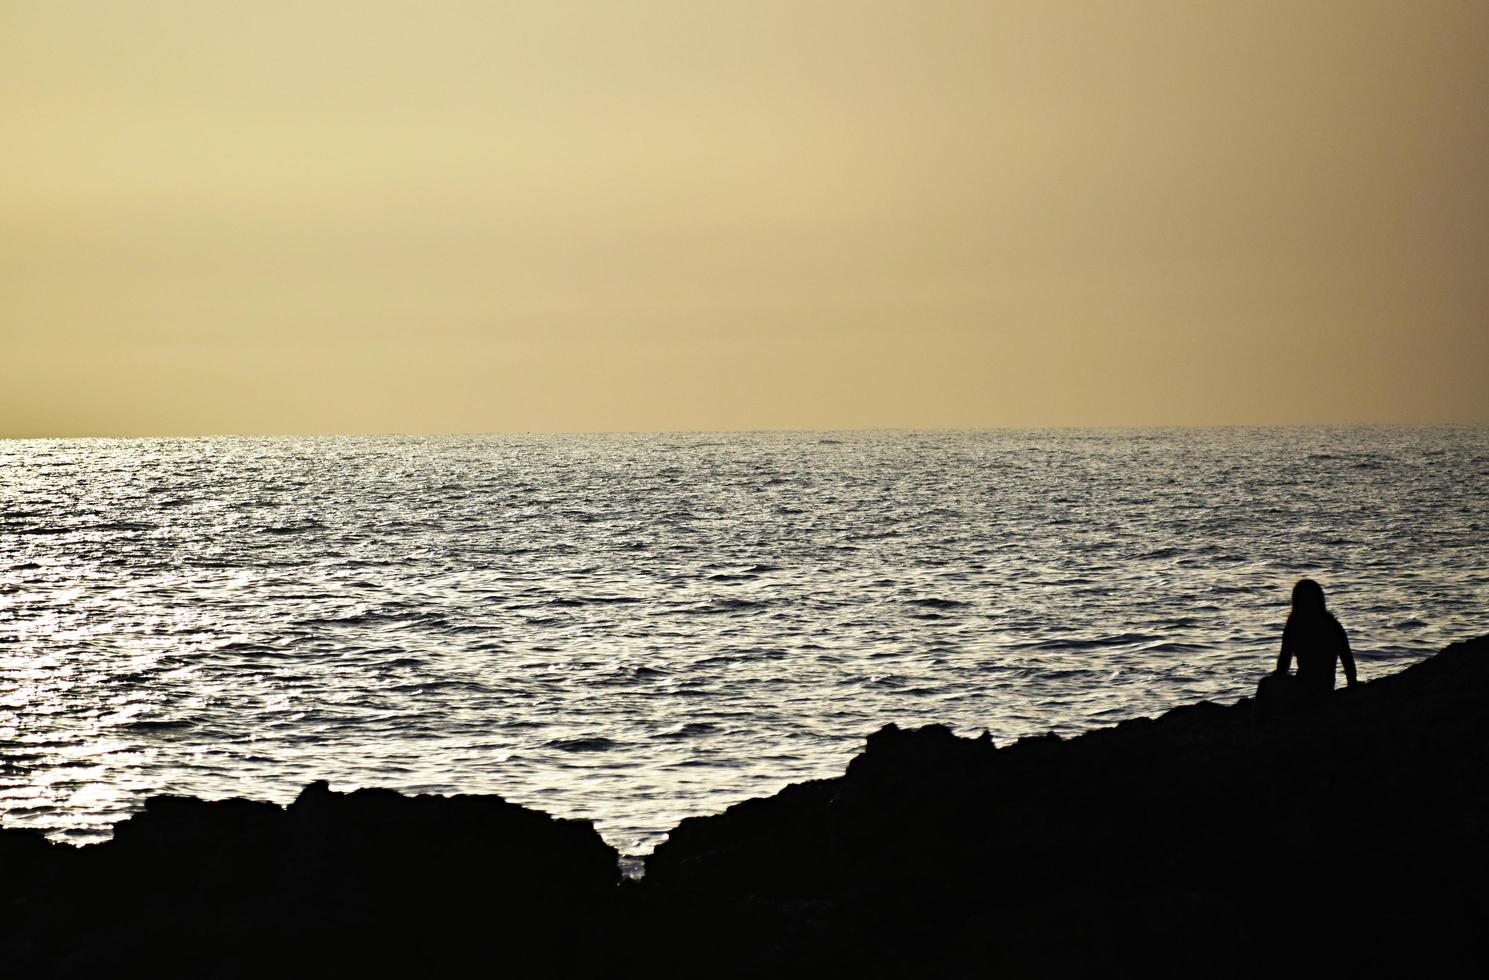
x: 639, y: 628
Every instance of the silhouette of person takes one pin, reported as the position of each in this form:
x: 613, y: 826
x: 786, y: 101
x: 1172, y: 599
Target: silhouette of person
x: 1314, y: 636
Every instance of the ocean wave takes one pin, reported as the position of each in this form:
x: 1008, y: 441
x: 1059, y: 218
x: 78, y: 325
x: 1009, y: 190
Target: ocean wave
x: 594, y: 743
x: 452, y: 611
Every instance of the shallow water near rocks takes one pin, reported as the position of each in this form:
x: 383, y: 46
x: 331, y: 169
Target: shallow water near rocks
x: 639, y: 628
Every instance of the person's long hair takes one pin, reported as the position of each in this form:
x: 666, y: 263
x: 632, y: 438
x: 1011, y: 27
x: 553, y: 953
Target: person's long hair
x: 1308, y: 602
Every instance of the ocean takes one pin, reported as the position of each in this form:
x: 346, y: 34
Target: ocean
x: 639, y: 628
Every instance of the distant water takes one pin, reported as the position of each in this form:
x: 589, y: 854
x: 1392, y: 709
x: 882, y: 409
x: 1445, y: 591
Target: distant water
x: 640, y: 628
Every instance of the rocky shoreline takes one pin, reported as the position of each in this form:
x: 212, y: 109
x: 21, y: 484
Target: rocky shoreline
x: 1216, y: 840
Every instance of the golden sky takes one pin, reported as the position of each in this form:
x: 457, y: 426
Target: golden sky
x: 432, y: 216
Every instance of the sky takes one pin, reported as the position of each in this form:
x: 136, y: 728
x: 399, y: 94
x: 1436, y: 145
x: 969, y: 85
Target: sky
x: 363, y: 217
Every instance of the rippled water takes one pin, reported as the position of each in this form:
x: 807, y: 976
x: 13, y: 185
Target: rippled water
x: 639, y: 628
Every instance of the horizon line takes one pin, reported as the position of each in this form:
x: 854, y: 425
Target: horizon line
x: 472, y: 433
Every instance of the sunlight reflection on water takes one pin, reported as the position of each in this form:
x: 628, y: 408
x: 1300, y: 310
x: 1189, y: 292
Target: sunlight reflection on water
x: 641, y: 628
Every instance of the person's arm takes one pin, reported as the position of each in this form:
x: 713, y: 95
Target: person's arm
x: 1285, y: 656
x: 1347, y: 657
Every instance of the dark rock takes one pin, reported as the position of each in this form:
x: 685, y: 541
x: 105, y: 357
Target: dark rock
x: 1351, y: 833
x: 368, y: 882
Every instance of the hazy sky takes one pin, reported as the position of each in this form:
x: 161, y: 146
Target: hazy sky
x: 491, y: 216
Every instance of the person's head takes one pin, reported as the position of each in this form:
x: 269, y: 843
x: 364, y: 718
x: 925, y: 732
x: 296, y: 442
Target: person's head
x: 1308, y: 597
